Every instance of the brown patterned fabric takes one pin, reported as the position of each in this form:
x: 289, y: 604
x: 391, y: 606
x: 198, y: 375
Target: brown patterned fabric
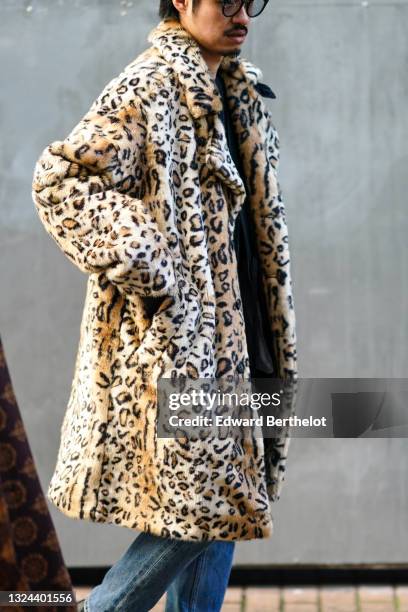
x: 30, y: 556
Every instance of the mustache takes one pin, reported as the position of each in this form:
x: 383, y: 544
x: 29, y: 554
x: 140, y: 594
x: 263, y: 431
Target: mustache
x: 240, y: 29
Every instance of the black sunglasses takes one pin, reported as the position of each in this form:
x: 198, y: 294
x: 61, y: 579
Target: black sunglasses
x: 252, y: 7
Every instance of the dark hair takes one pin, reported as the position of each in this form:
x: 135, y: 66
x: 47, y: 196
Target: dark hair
x: 167, y: 9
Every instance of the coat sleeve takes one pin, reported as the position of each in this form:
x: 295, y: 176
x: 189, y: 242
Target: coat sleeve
x: 81, y: 189
x: 276, y: 449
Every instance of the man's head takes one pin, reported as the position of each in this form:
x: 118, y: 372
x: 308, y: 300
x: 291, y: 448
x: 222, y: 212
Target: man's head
x: 206, y: 21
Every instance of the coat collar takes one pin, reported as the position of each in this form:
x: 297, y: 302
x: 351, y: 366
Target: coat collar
x: 180, y: 50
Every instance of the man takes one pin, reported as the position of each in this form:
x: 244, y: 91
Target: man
x: 144, y: 196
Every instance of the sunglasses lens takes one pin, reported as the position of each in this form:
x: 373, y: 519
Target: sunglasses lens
x: 231, y: 7
x: 256, y: 7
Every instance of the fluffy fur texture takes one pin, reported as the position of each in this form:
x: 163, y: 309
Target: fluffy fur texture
x: 142, y: 196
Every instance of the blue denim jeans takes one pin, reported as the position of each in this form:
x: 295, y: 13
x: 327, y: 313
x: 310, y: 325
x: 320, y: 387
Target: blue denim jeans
x: 194, y: 574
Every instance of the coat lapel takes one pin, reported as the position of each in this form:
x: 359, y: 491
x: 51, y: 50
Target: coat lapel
x: 203, y: 99
x: 219, y: 159
x: 182, y: 52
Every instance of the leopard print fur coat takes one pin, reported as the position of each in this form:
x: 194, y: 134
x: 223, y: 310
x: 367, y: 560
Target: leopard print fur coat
x: 142, y: 196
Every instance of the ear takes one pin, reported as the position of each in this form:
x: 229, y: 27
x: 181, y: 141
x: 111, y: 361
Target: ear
x: 181, y: 5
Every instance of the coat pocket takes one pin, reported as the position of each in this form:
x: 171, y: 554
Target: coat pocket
x: 191, y: 350
x: 165, y: 323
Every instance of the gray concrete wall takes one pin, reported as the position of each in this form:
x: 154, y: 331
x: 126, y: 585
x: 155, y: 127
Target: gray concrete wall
x: 339, y: 72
